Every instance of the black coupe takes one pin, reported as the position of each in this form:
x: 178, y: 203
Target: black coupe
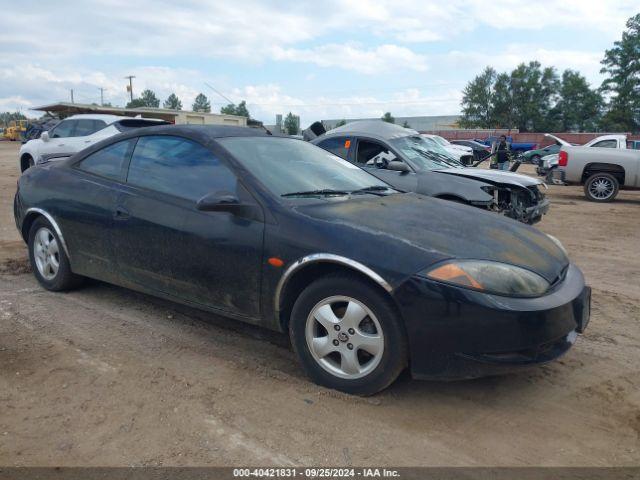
x: 274, y: 231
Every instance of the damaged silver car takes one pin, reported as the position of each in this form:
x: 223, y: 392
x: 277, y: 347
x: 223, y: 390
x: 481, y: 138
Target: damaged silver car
x: 404, y: 159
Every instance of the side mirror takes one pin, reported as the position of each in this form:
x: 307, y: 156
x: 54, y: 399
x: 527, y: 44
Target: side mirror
x: 398, y: 166
x: 44, y: 136
x: 219, y: 202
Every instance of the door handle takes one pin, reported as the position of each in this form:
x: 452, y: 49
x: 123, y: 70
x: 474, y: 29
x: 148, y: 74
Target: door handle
x: 121, y: 214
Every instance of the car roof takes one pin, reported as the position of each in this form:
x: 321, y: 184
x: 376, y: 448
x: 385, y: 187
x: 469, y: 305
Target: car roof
x: 95, y: 116
x: 201, y: 132
x: 371, y: 128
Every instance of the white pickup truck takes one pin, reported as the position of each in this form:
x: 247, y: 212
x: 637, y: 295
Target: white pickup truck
x: 602, y: 171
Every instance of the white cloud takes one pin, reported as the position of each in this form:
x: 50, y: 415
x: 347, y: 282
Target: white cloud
x: 380, y: 59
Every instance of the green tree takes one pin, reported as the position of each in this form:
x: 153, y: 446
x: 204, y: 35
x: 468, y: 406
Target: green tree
x: 6, y: 117
x: 233, y: 109
x: 621, y: 64
x: 341, y: 123
x: 533, y: 92
x: 387, y: 117
x: 291, y: 124
x: 502, y: 102
x: 147, y: 99
x: 201, y: 104
x: 477, y: 101
x: 406, y: 124
x: 172, y: 102
x: 579, y: 107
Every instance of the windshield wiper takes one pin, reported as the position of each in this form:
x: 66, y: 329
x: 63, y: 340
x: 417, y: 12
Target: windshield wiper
x: 324, y: 191
x: 374, y: 189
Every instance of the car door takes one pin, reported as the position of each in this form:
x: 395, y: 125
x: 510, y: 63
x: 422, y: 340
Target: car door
x: 373, y: 156
x: 59, y: 138
x: 87, y: 213
x: 81, y: 137
x: 164, y: 243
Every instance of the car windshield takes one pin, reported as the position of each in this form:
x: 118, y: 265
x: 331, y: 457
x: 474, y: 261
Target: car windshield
x: 290, y: 167
x: 425, y: 153
x: 440, y: 140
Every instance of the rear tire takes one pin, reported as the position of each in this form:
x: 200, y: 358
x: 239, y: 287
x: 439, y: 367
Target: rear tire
x: 535, y: 160
x: 348, y: 335
x: 48, y: 258
x: 601, y: 187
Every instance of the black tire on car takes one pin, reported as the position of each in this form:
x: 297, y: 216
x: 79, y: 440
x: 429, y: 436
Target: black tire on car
x: 48, y: 259
x: 601, y: 187
x: 348, y: 335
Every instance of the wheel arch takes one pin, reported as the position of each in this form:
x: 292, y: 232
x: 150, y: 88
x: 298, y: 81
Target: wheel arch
x: 452, y: 198
x: 24, y: 161
x: 305, y: 270
x: 31, y: 216
x: 616, y: 170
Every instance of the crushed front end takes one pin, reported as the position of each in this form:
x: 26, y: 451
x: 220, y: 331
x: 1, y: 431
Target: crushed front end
x: 525, y: 204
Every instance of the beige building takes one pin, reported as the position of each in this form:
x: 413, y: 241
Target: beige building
x: 179, y: 117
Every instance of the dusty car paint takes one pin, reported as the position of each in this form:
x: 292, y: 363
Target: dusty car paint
x: 219, y: 261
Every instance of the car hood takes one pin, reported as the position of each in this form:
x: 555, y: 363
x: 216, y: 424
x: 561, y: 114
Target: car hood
x: 496, y: 177
x: 408, y: 232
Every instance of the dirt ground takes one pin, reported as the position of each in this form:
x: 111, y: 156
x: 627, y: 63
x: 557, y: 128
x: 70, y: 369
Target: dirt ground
x: 104, y: 376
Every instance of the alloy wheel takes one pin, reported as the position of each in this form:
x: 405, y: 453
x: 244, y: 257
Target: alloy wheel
x: 601, y: 188
x: 344, y: 337
x: 46, y: 253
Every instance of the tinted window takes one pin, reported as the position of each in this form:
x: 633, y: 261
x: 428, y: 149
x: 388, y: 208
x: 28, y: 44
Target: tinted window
x: 107, y: 162
x: 87, y: 127
x: 178, y: 167
x: 64, y: 129
x: 606, y: 144
x: 337, y: 145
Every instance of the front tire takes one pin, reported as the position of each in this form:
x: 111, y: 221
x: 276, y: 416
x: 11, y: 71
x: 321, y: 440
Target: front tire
x: 601, y: 187
x: 348, y: 335
x: 49, y: 261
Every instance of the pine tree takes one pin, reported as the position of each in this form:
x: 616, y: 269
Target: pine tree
x: 201, y: 104
x: 173, y: 102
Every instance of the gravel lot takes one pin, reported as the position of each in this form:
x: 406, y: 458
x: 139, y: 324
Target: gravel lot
x: 104, y: 376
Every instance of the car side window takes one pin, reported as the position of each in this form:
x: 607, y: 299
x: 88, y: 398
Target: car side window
x: 64, y: 129
x: 178, y: 167
x: 373, y: 154
x: 109, y: 161
x: 86, y: 127
x: 337, y: 145
x: 606, y: 144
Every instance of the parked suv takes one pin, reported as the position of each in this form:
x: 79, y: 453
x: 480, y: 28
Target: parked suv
x: 76, y: 133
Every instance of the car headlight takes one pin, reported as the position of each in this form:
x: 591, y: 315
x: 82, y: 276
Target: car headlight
x: 558, y: 244
x: 490, y: 277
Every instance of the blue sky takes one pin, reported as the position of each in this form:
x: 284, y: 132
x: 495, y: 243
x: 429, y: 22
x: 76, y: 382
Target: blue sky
x: 331, y: 59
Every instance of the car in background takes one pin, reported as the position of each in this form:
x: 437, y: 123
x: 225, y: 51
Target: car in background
x: 462, y: 153
x: 516, y: 147
x: 366, y: 280
x: 76, y: 133
x: 480, y: 150
x: 549, y: 163
x: 534, y: 156
x: 602, y: 171
x: 409, y: 161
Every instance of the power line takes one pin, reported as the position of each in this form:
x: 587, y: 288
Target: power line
x: 211, y: 87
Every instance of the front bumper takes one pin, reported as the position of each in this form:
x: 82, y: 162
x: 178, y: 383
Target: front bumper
x: 458, y: 333
x: 534, y: 213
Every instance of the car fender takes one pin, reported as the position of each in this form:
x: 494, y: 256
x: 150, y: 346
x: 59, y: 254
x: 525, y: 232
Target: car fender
x: 470, y: 190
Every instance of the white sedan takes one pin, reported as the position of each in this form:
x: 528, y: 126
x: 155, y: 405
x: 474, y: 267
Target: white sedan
x: 461, y: 153
x: 76, y: 133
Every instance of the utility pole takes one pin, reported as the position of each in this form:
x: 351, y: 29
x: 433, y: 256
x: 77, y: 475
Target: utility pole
x: 130, y: 87
x: 71, y: 95
x: 101, y: 96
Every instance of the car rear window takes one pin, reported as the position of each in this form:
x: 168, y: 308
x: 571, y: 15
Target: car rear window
x: 133, y: 123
